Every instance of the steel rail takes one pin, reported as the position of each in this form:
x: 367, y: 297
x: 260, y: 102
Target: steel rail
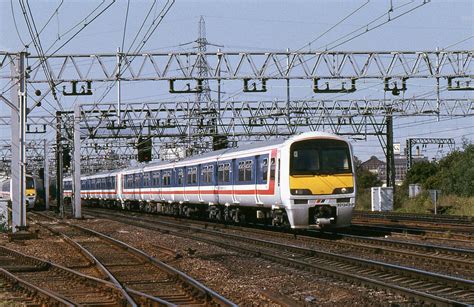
x: 206, y: 292
x: 92, y: 259
x: 96, y: 262
x: 37, y: 264
x: 52, y: 298
x: 434, y: 233
x: 426, y: 225
x: 383, y: 270
x: 462, y: 258
x: 449, y: 219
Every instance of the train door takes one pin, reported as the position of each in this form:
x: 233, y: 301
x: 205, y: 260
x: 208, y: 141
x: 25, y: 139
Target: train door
x: 261, y: 174
x: 194, y: 197
x: 208, y: 186
x: 118, y: 185
x: 147, y: 186
x: 137, y: 187
x: 156, y: 186
x: 234, y: 178
x: 202, y: 181
x: 167, y: 182
x: 181, y: 182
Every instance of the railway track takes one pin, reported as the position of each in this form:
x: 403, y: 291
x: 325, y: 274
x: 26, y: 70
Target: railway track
x: 445, y: 258
x: 449, y: 260
x: 15, y: 291
x: 132, y: 270
x: 411, y: 232
x: 446, y: 219
x: 459, y: 228
x: 423, y: 286
x: 61, y: 284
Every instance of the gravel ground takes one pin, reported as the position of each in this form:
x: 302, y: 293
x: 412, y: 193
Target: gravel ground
x: 350, y: 250
x: 328, y: 245
x: 465, y: 244
x: 240, y: 278
x: 51, y: 248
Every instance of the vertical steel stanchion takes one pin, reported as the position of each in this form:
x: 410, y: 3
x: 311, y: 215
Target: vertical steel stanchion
x: 46, y: 176
x: 59, y: 166
x: 18, y: 129
x: 77, y: 162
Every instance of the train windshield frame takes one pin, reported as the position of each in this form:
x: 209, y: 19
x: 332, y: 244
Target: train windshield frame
x: 30, y: 182
x: 320, y: 157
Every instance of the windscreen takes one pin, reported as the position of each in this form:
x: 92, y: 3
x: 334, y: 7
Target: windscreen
x: 30, y: 183
x: 312, y: 157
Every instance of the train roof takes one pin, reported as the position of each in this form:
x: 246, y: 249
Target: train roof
x: 246, y: 147
x: 249, y: 146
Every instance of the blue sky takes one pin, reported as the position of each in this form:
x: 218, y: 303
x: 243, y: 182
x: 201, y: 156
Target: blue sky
x: 264, y: 25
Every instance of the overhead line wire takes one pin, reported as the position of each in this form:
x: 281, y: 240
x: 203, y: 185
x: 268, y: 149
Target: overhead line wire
x: 166, y: 8
x: 37, y: 43
x: 80, y: 30
x: 365, y: 26
x: 125, y: 24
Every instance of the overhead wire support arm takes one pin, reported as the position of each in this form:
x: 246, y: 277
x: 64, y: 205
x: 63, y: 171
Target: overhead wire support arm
x: 413, y: 141
x: 256, y: 65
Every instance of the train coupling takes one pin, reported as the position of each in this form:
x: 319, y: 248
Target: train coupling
x: 322, y: 215
x: 325, y: 221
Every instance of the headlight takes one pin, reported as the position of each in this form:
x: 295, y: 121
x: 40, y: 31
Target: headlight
x: 300, y: 192
x: 344, y: 190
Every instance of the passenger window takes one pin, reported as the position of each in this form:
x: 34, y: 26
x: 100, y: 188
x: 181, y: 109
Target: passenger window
x: 191, y: 175
x: 207, y: 172
x: 223, y: 172
x: 272, y: 169
x: 146, y: 180
x: 220, y: 172
x: 241, y: 171
x: 167, y: 178
x: 194, y: 175
x: 210, y: 173
x: 227, y: 172
x: 264, y: 169
x: 156, y: 179
x: 248, y: 170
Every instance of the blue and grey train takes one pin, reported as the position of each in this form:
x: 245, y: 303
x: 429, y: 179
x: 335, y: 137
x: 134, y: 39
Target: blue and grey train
x: 305, y: 181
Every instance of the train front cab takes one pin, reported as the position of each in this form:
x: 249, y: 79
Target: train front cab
x: 30, y: 191
x: 320, y: 182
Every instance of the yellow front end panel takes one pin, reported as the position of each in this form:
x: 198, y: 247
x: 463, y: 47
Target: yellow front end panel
x: 321, y: 184
x: 30, y: 192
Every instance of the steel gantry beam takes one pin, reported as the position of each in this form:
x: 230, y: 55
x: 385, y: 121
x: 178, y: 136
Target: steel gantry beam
x: 35, y: 155
x: 170, y: 124
x: 181, y: 122
x: 251, y: 65
x: 413, y: 141
x: 261, y: 119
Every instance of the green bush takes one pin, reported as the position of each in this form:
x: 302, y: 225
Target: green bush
x: 363, y: 201
x: 420, y: 204
x: 3, y: 226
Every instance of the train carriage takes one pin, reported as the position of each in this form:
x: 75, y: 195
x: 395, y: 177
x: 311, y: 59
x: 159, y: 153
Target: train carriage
x: 306, y: 181
x: 31, y: 191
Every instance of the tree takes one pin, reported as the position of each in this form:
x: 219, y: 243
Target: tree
x: 456, y: 174
x: 366, y: 179
x: 420, y: 172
